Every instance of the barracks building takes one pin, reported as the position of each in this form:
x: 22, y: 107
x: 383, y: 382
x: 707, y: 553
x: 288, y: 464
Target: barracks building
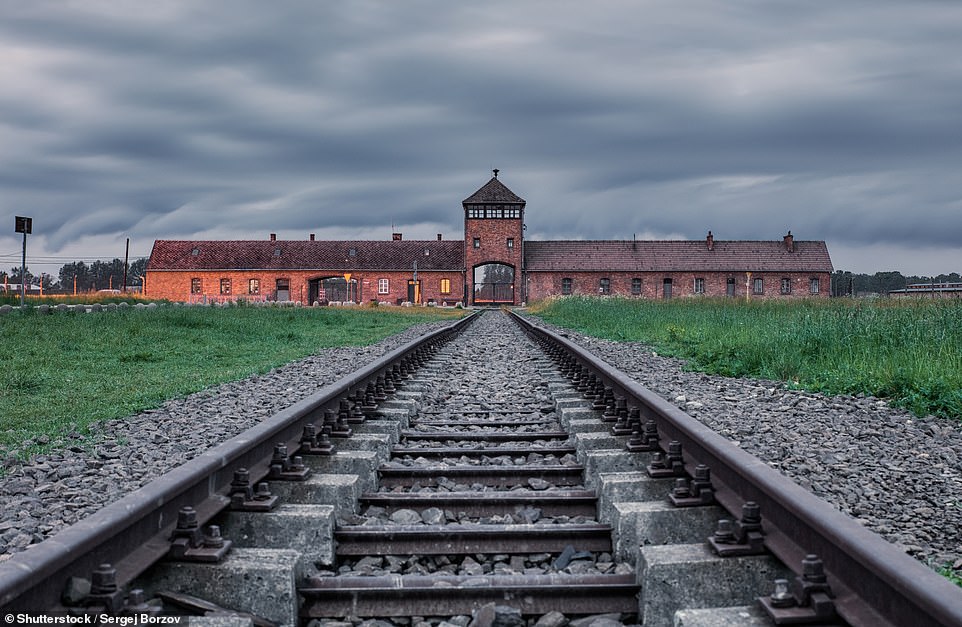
x: 491, y: 265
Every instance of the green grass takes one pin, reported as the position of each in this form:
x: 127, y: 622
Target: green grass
x: 65, y: 371
x: 909, y: 352
x: 954, y: 576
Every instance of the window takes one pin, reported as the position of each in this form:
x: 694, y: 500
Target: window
x: 277, y: 252
x: 758, y: 286
x: 195, y: 286
x: 253, y: 286
x: 730, y: 286
x: 510, y: 243
x: 427, y: 252
x: 699, y: 286
x: 604, y: 286
x: 565, y: 286
x: 813, y: 285
x: 352, y: 252
x: 493, y: 212
x: 195, y: 252
x: 445, y: 286
x: 383, y: 286
x: 636, y: 287
x: 477, y: 242
x: 786, y: 286
x: 225, y: 286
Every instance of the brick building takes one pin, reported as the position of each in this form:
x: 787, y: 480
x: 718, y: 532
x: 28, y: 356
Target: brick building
x: 492, y: 265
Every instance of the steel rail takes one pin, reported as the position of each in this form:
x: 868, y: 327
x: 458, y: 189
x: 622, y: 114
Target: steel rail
x: 133, y: 532
x: 874, y: 582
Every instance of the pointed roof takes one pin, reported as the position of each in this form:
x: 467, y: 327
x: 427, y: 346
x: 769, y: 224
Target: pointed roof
x: 493, y: 191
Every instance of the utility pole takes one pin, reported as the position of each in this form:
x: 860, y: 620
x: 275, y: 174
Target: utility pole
x: 126, y: 265
x: 24, y: 225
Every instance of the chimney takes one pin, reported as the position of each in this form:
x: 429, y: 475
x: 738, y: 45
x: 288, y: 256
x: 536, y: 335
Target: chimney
x: 273, y: 237
x: 789, y: 242
x: 312, y: 237
x: 710, y: 241
x: 396, y: 237
x: 439, y: 237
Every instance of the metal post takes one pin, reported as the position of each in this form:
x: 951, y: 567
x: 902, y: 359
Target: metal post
x: 23, y: 273
x: 23, y: 225
x: 126, y: 264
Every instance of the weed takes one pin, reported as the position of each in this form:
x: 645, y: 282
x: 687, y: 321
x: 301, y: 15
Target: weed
x: 909, y: 352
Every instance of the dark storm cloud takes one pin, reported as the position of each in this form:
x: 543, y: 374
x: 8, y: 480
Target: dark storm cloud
x: 836, y: 120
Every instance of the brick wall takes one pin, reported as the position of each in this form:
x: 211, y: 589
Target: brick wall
x: 494, y: 234
x: 175, y: 285
x: 543, y: 284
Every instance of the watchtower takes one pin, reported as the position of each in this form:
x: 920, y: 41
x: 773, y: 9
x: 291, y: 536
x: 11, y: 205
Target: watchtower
x: 493, y: 245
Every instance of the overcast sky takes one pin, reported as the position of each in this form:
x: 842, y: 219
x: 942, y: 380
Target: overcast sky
x: 839, y: 120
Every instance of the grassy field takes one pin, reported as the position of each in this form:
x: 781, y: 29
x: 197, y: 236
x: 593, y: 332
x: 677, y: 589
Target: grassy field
x: 73, y: 368
x: 907, y: 351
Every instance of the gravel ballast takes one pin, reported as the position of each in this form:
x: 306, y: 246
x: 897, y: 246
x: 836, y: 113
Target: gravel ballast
x: 51, y: 491
x: 899, y: 475
x: 895, y: 473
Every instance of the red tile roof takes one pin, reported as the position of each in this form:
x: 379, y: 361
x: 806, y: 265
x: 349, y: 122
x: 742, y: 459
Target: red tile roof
x: 540, y: 256
x: 309, y: 255
x: 679, y: 256
x: 493, y: 191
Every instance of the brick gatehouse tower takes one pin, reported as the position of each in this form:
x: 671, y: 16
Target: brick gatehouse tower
x: 494, y: 245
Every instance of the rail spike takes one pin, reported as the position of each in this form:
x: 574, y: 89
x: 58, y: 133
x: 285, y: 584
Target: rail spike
x: 104, y: 591
x: 671, y: 464
x: 741, y: 537
x: 806, y: 600
x: 190, y: 544
x: 314, y: 443
x: 698, y: 491
x: 243, y: 498
x: 287, y: 469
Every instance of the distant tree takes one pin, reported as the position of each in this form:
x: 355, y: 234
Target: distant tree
x: 14, y: 276
x: 885, y: 282
x: 101, y: 275
x: 843, y: 283
x: 77, y: 270
x: 137, y: 269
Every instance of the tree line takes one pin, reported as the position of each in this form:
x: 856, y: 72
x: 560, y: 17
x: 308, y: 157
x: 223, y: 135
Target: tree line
x: 845, y: 283
x: 99, y: 275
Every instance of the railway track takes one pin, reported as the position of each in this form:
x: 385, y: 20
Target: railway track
x: 480, y: 472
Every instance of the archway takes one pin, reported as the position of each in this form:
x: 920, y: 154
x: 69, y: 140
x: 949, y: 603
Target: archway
x: 493, y: 284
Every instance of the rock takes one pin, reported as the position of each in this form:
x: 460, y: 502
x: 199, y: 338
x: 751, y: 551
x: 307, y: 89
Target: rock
x: 76, y: 590
x: 552, y: 619
x: 405, y: 517
x: 432, y: 516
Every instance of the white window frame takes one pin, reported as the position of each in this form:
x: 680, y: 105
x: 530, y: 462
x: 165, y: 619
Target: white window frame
x: 383, y: 286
